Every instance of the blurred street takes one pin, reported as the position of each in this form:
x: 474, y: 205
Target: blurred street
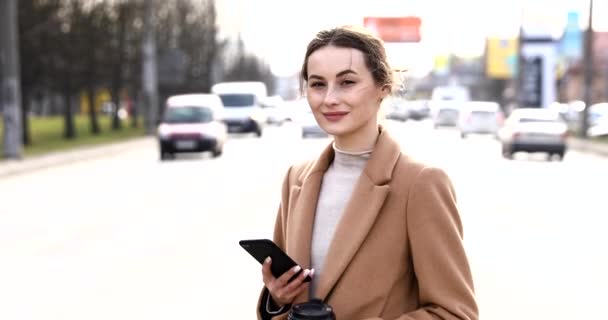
x: 131, y: 237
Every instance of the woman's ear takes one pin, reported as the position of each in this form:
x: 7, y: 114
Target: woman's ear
x: 386, y: 90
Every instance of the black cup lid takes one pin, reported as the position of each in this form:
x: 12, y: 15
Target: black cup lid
x: 313, y: 310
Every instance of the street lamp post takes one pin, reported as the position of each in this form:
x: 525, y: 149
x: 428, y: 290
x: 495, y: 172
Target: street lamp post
x: 149, y: 68
x: 10, y: 81
x: 588, y: 63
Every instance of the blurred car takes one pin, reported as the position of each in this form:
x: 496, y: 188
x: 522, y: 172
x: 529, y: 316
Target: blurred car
x: 192, y: 123
x: 598, y: 120
x: 598, y: 113
x: 276, y: 110
x: 446, y: 113
x: 480, y: 117
x: 418, y: 109
x: 534, y: 130
x: 600, y: 129
x: 304, y: 117
x: 396, y: 109
x: 446, y: 103
x: 243, y: 105
x: 451, y: 92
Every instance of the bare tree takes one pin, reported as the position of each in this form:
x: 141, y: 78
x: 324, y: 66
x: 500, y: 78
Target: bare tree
x: 248, y: 67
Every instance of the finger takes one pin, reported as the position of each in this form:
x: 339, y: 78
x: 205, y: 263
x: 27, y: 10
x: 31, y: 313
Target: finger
x: 295, y: 283
x: 284, y: 278
x: 267, y: 276
x: 292, y: 292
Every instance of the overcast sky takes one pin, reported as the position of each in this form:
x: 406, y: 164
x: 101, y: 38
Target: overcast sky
x: 280, y: 29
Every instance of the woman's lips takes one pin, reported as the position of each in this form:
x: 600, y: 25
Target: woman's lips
x: 334, y: 116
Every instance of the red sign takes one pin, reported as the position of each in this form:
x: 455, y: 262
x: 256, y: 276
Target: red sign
x: 397, y: 29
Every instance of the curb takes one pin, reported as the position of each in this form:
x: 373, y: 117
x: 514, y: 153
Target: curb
x: 28, y: 165
x: 587, y: 146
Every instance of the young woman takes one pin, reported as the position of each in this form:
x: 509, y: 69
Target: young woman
x: 379, y: 233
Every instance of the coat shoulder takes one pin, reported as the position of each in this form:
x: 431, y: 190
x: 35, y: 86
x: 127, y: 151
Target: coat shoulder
x: 299, y: 171
x: 409, y: 167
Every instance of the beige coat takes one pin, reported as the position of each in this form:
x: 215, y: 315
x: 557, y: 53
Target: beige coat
x: 397, y: 253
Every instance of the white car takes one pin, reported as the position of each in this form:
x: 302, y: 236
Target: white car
x: 276, y: 110
x: 446, y: 113
x: 304, y: 117
x: 243, y: 109
x: 192, y: 123
x: 396, y: 109
x: 598, y: 120
x: 534, y: 130
x: 480, y: 117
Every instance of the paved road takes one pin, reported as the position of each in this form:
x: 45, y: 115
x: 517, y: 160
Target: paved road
x: 130, y: 237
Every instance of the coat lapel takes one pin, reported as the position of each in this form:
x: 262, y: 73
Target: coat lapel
x: 358, y: 218
x: 304, y: 196
x: 360, y: 213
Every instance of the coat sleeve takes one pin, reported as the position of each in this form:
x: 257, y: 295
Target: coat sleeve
x: 279, y: 239
x: 440, y: 263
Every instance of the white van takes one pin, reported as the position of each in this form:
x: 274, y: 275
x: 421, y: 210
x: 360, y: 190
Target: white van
x: 446, y: 103
x: 451, y: 93
x: 243, y: 105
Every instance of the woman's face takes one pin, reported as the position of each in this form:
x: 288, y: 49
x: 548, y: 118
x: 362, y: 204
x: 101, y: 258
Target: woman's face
x: 341, y: 91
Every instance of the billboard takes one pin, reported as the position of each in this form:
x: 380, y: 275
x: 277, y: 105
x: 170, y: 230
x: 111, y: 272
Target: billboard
x: 538, y: 73
x: 501, y: 58
x: 532, y: 82
x: 394, y: 29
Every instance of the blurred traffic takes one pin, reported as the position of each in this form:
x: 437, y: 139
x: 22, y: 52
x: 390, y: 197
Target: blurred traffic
x: 205, y: 96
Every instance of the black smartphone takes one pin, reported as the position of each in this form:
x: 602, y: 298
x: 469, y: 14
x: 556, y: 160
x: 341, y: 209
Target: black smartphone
x: 260, y: 249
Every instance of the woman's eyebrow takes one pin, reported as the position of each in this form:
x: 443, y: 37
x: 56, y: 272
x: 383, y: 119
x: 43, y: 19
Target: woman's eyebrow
x: 344, y: 72
x: 339, y: 74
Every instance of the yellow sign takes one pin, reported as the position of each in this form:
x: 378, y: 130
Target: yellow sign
x: 442, y: 64
x: 501, y: 58
x: 101, y: 96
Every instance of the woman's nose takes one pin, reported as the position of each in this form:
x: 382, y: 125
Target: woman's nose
x: 332, y: 97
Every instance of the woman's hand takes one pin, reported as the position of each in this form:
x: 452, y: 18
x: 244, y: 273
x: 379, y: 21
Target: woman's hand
x: 284, y: 293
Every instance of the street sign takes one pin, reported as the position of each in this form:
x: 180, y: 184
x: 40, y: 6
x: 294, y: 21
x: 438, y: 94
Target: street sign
x: 394, y: 29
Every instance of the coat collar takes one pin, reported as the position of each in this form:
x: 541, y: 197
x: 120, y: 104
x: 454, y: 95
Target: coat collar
x: 360, y: 212
x: 379, y: 167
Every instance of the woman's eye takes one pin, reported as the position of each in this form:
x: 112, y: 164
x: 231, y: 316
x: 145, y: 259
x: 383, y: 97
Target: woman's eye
x: 316, y: 84
x: 347, y: 82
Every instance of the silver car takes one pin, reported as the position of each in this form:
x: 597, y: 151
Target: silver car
x: 534, y: 130
x: 446, y: 113
x: 480, y: 117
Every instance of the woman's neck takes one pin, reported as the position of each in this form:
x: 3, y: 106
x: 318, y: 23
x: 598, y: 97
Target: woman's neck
x: 362, y: 139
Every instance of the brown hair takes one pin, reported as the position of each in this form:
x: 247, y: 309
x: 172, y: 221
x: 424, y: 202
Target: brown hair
x: 357, y: 38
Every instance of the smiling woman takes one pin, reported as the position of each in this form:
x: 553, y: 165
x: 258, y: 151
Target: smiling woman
x: 378, y: 232
x: 344, y: 96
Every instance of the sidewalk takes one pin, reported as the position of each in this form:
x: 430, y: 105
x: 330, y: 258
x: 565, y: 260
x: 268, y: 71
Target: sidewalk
x: 587, y: 146
x: 14, y: 167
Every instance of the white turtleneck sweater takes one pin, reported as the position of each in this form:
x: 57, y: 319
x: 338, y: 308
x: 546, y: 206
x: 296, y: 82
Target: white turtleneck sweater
x: 336, y: 189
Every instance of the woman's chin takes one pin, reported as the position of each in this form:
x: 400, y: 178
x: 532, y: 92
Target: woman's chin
x: 333, y: 130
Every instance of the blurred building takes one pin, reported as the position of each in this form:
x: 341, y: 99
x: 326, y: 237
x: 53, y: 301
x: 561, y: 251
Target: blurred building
x: 571, y: 83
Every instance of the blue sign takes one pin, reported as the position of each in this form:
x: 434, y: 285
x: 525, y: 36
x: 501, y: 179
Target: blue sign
x: 571, y: 44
